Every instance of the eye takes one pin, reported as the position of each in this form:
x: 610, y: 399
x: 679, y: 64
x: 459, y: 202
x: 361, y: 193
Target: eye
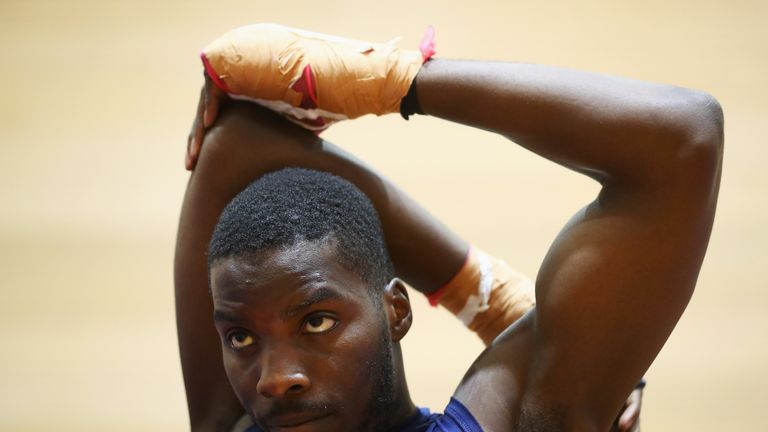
x: 239, y: 339
x: 319, y: 324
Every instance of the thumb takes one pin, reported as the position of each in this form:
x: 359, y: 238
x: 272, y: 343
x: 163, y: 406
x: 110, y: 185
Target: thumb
x: 213, y: 97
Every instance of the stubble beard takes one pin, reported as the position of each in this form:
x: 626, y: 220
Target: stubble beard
x: 383, y: 400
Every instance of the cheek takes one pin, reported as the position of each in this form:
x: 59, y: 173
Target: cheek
x: 237, y: 373
x: 348, y: 368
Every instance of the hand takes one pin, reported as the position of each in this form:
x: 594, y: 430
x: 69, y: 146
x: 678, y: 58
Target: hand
x: 628, y: 419
x: 313, y: 79
x: 211, y: 98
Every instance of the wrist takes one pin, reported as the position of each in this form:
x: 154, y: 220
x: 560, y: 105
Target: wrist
x: 486, y: 295
x: 410, y: 104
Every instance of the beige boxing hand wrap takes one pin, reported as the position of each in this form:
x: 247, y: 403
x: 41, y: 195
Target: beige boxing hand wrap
x: 486, y: 295
x: 311, y: 78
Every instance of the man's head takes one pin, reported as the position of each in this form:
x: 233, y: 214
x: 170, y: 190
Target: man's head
x: 309, y: 321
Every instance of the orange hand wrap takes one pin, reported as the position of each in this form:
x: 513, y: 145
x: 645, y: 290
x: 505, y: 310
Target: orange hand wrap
x: 311, y: 78
x: 486, y: 295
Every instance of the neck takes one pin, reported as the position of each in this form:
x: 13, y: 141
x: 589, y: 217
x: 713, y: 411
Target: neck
x: 403, y: 407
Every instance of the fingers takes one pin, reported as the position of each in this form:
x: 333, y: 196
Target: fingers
x: 214, y: 97
x: 195, y: 139
x: 211, y: 98
x: 630, y: 417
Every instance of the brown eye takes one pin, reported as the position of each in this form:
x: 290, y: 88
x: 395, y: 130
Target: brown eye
x: 319, y: 324
x: 239, y: 339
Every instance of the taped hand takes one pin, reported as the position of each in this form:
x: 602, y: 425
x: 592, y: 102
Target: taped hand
x: 313, y: 79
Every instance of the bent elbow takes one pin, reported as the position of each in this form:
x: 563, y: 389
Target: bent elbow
x: 701, y: 148
x: 689, y: 139
x: 680, y: 139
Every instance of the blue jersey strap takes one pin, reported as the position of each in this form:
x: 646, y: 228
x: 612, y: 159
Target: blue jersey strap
x: 456, y: 418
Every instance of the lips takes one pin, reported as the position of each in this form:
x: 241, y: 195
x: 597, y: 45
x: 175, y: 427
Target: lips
x: 295, y: 422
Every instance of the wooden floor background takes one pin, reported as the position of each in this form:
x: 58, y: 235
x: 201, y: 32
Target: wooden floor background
x: 95, y: 105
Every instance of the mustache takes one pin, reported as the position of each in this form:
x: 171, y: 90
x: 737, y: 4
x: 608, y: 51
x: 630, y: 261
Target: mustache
x: 290, y: 408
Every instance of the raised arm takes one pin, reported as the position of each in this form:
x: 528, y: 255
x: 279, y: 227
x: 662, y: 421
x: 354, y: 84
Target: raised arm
x: 621, y: 272
x: 247, y: 142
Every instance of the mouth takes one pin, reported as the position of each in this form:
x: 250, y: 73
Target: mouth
x: 295, y: 423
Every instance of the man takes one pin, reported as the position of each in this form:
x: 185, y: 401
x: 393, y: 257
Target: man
x: 609, y: 292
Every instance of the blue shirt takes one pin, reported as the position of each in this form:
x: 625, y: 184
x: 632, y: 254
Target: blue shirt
x: 456, y: 418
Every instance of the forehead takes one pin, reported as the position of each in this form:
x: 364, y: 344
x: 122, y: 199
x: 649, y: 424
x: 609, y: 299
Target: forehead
x: 280, y: 272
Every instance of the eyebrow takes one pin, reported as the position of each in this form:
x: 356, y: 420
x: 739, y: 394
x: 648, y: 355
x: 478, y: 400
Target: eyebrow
x: 220, y: 315
x: 318, y: 295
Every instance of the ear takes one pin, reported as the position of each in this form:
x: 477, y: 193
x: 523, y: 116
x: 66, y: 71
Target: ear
x: 398, y: 309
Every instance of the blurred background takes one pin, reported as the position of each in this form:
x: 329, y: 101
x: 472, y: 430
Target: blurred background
x: 96, y: 105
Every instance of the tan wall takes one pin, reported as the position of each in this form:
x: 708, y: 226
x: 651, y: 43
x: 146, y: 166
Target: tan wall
x: 95, y: 106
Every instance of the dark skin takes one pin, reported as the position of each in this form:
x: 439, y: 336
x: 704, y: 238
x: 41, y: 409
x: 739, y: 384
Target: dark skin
x: 245, y: 143
x: 620, y: 274
x: 301, y: 333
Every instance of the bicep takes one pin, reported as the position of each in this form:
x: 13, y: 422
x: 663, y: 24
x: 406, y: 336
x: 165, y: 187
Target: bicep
x: 609, y: 292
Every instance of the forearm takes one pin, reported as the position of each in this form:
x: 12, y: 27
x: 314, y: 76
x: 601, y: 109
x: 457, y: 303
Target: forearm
x: 607, y: 127
x: 425, y: 252
x: 246, y: 143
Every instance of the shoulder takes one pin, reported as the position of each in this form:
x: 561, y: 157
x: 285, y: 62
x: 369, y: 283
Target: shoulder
x: 456, y: 418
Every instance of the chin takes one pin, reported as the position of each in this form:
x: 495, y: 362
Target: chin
x: 327, y: 423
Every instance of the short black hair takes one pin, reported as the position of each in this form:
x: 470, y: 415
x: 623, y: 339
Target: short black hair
x: 295, y: 204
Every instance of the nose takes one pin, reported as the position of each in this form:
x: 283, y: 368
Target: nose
x: 281, y: 374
